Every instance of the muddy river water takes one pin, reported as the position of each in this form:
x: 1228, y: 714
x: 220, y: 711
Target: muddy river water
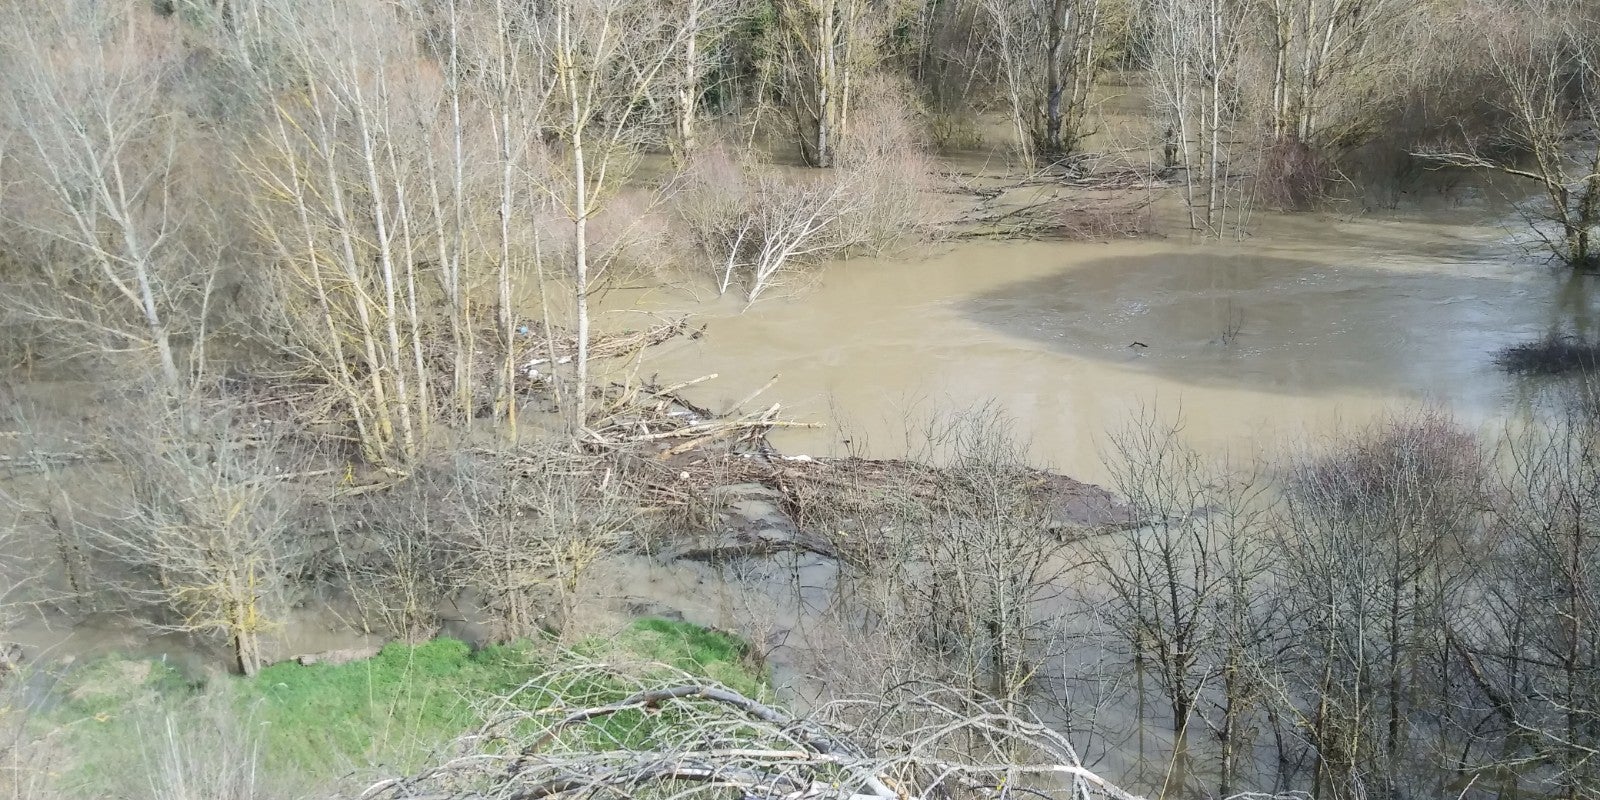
x: 1313, y: 323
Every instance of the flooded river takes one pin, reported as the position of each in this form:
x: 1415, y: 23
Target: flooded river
x: 1312, y: 323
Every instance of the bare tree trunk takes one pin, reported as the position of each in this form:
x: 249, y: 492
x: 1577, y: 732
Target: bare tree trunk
x: 827, y: 71
x: 689, y: 88
x: 1059, y: 12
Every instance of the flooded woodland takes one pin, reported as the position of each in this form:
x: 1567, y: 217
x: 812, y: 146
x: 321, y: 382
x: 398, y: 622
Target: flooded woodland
x: 836, y: 399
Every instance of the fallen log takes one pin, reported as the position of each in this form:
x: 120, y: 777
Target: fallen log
x: 336, y: 657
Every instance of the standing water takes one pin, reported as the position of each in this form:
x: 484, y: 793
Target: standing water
x: 1313, y: 324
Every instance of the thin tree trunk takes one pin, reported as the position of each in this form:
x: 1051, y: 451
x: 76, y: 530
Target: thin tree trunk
x: 1053, y: 82
x: 689, y: 89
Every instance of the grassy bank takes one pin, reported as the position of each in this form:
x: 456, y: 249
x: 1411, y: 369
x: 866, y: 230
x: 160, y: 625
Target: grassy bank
x: 128, y: 727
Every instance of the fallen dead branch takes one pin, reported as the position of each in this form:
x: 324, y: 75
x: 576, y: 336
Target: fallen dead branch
x: 644, y: 413
x: 594, y: 730
x: 1076, y: 220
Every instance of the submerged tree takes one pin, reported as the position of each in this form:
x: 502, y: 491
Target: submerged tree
x: 1542, y: 58
x: 1049, y: 54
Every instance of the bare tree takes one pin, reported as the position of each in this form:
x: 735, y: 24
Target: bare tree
x: 954, y: 562
x: 989, y: 551
x: 210, y: 531
x: 1323, y: 53
x: 1543, y: 58
x: 609, y: 64
x: 1524, y: 631
x: 120, y: 260
x: 529, y: 523
x: 758, y: 224
x: 1050, y: 52
x: 397, y: 555
x: 1186, y: 591
x: 346, y: 208
x: 825, y: 48
x: 705, y: 26
x: 1195, y: 52
x: 1371, y: 553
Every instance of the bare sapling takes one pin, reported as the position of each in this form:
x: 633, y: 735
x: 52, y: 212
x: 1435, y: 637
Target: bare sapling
x: 962, y: 571
x: 397, y: 562
x: 530, y: 523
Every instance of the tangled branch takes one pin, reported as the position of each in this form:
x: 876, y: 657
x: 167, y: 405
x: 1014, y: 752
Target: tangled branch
x: 594, y: 730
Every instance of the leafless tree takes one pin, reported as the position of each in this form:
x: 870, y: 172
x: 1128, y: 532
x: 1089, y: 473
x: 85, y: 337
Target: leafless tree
x: 529, y: 523
x: 1187, y: 592
x: 351, y: 209
x: 1372, y: 551
x: 1325, y: 55
x: 991, y: 550
x: 1544, y: 62
x: 825, y: 47
x: 104, y: 171
x: 609, y: 65
x: 395, y: 553
x: 1050, y: 53
x: 18, y: 572
x: 954, y: 565
x: 209, y: 534
x: 1195, y: 53
x: 1524, y: 632
x: 757, y: 223
x: 705, y: 26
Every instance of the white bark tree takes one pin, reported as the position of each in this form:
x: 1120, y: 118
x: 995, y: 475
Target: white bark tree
x: 1195, y: 50
x: 1543, y: 58
x: 825, y: 48
x: 608, y: 63
x: 1049, y: 54
x: 100, y: 157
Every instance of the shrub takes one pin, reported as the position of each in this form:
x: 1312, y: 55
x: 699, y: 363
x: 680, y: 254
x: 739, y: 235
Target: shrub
x: 755, y: 223
x: 1423, y: 464
x: 1293, y: 176
x: 1551, y: 355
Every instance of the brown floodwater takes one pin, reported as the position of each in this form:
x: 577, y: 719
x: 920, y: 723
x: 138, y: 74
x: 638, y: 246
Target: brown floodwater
x: 1313, y: 323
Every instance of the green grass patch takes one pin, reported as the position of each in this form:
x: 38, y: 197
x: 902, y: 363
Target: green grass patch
x: 717, y: 655
x: 105, y: 711
x: 399, y: 709
x: 394, y: 712
x: 395, y: 709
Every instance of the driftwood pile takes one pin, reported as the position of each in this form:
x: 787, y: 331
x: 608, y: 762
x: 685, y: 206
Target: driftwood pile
x: 861, y: 487
x: 670, y: 425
